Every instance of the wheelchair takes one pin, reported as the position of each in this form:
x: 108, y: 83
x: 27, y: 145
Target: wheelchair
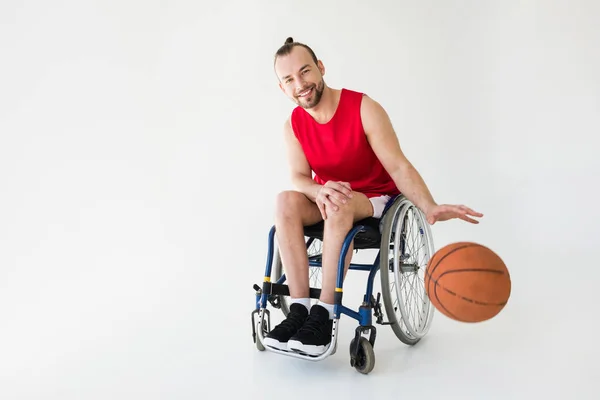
x: 403, y: 242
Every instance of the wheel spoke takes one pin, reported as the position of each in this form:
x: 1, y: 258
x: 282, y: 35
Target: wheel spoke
x: 411, y: 245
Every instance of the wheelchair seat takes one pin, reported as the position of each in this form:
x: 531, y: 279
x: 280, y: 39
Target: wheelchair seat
x: 368, y: 238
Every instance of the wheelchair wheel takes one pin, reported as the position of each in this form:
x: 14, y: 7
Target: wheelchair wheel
x: 266, y: 329
x: 364, y: 362
x: 314, y: 248
x: 406, y: 247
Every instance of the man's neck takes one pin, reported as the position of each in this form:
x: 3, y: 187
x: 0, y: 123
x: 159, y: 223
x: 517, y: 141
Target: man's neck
x: 326, y: 108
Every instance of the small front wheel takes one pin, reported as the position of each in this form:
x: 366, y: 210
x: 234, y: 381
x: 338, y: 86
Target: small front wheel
x: 259, y: 345
x: 266, y: 327
x: 363, y: 358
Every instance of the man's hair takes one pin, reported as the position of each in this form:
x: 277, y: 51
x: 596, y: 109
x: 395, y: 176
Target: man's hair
x: 287, y: 47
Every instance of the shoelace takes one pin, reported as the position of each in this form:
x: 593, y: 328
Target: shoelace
x: 293, y: 321
x: 313, y: 326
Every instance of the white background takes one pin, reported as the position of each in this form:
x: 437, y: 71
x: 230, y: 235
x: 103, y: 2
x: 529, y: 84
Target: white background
x: 141, y: 152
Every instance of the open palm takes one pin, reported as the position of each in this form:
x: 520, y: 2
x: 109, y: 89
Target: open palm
x: 445, y: 212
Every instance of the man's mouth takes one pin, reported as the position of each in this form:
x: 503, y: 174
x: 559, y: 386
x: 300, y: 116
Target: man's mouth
x: 305, y: 93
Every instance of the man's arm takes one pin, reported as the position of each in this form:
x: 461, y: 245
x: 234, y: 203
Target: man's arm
x: 301, y: 173
x: 382, y: 137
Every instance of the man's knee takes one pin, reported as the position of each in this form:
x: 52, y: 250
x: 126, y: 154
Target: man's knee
x: 357, y: 207
x: 289, y: 204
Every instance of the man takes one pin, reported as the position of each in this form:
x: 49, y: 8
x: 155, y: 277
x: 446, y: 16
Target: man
x: 347, y: 140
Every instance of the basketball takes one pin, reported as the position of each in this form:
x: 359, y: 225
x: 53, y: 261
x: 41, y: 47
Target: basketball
x: 467, y: 282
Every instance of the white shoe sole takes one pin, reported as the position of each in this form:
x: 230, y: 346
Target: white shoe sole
x: 275, y: 343
x: 295, y: 345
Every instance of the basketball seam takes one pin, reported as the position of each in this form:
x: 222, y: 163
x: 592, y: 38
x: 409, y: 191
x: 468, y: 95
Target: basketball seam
x: 482, y: 303
x: 430, y: 273
x: 442, y: 304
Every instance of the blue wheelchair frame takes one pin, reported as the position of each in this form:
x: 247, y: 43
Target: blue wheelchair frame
x: 270, y: 292
x: 363, y: 316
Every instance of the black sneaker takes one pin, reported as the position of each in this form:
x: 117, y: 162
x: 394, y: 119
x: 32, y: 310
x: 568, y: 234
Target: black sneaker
x: 279, y: 336
x: 315, y: 335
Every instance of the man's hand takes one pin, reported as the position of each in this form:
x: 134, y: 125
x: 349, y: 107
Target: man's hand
x: 444, y: 212
x: 333, y: 195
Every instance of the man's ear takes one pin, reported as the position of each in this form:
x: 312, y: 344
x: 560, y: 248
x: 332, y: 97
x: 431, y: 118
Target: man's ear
x: 321, y: 67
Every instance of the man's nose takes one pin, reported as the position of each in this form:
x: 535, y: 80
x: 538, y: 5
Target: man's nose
x: 300, y: 84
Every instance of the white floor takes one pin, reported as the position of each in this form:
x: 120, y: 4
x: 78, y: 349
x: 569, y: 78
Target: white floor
x: 124, y: 333
x: 536, y: 348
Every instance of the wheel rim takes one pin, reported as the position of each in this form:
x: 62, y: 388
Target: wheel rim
x: 412, y: 249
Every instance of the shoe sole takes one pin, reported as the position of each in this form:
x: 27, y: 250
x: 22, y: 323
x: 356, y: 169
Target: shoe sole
x: 276, y: 344
x: 310, y: 350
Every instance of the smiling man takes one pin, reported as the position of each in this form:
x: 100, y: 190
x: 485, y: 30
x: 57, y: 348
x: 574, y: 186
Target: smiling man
x: 347, y: 140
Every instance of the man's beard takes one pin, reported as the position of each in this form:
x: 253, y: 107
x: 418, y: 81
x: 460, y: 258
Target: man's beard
x: 315, y: 96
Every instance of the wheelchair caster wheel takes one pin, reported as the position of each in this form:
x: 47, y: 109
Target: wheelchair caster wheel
x: 362, y: 356
x: 259, y: 345
x: 266, y: 327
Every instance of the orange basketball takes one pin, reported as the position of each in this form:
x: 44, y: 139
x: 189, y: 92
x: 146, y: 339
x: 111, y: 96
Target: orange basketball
x: 467, y: 282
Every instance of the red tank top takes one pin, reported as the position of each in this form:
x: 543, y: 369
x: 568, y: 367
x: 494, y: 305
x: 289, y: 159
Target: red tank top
x: 339, y: 151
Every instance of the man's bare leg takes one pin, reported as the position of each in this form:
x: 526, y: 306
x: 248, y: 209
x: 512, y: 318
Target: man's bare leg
x: 337, y: 226
x: 315, y: 335
x: 294, y: 211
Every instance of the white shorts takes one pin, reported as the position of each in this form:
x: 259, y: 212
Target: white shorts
x: 379, y: 204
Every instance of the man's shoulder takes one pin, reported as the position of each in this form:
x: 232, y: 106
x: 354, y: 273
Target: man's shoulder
x: 295, y: 116
x: 294, y: 112
x: 357, y: 97
x: 369, y: 104
x: 352, y: 91
x: 355, y: 93
x: 289, y: 124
